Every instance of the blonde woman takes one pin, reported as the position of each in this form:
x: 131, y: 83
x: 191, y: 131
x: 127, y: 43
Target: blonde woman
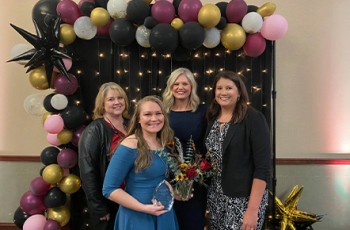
x: 139, y: 161
x: 96, y: 145
x: 187, y: 119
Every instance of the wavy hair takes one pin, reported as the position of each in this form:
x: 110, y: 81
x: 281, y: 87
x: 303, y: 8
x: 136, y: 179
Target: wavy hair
x: 99, y: 109
x: 241, y: 107
x: 166, y: 134
x: 168, y: 98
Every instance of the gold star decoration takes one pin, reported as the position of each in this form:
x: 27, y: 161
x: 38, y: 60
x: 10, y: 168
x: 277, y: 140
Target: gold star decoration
x: 289, y: 216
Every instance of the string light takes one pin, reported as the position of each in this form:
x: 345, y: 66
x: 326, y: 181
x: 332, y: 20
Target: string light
x: 101, y: 55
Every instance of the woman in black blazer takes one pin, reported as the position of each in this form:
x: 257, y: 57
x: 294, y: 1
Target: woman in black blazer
x: 238, y: 140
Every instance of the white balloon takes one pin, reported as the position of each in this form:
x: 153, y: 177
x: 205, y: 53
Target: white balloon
x: 142, y: 36
x: 212, y: 37
x: 20, y: 49
x: 84, y: 28
x: 34, y: 104
x: 252, y: 22
x: 59, y: 101
x: 117, y: 8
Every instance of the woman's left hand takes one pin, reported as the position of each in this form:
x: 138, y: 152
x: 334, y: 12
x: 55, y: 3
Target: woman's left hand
x: 250, y: 220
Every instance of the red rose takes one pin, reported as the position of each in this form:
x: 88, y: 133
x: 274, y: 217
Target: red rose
x: 205, y: 165
x: 191, y: 173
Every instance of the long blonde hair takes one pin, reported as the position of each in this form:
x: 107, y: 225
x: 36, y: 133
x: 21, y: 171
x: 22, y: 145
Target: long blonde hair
x: 165, y: 135
x: 99, y: 109
x: 168, y: 98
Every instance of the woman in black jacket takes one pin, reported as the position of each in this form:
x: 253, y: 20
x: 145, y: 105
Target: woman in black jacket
x: 96, y: 146
x: 238, y: 140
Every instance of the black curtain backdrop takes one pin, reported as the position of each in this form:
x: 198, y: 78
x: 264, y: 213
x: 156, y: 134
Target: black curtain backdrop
x: 141, y: 71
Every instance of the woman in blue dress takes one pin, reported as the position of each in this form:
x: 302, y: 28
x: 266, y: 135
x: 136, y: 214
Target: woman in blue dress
x: 139, y: 162
x: 187, y: 119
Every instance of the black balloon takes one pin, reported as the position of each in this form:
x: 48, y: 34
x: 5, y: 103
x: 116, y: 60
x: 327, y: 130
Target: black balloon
x: 222, y: 23
x: 192, y: 35
x: 164, y: 38
x: 20, y: 217
x: 55, y: 198
x: 122, y: 32
x: 150, y: 22
x: 101, y: 3
x: 49, y: 155
x: 87, y: 7
x: 47, y: 103
x: 44, y: 12
x: 222, y: 6
x: 252, y: 8
x: 73, y: 116
x: 137, y: 11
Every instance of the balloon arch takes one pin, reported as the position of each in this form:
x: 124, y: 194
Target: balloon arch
x: 79, y: 46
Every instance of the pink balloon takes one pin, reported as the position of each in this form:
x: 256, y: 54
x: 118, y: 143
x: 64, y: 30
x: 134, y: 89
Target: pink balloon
x: 67, y: 158
x: 254, y: 45
x: 67, y: 63
x: 64, y: 86
x: 274, y: 27
x: 76, y: 135
x: 236, y: 10
x: 52, y: 225
x: 32, y: 204
x: 163, y: 11
x: 38, y: 186
x: 54, y: 124
x: 68, y: 11
x: 52, y: 139
x: 188, y: 10
x: 35, y: 222
x: 104, y: 30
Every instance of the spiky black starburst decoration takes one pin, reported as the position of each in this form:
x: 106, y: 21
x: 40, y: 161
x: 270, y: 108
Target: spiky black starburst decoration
x: 46, y: 49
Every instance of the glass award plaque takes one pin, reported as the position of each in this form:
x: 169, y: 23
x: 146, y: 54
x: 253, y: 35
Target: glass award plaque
x: 164, y: 194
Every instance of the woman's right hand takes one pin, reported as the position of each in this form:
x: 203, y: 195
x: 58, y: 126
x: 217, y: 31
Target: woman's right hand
x: 155, y: 209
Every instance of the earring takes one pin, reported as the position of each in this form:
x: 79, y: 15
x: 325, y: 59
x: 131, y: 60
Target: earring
x: 238, y: 98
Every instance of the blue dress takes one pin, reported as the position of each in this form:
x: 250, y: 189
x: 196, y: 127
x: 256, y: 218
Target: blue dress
x: 141, y: 186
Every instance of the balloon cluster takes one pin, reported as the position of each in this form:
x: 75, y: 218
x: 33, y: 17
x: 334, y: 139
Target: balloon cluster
x: 168, y: 25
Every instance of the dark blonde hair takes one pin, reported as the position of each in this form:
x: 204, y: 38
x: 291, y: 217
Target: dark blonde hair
x: 168, y: 97
x: 242, y: 103
x: 99, y: 109
x: 165, y: 135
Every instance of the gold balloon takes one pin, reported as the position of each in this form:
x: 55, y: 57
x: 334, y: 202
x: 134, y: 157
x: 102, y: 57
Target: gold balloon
x: 38, y: 79
x: 70, y: 184
x: 177, y: 23
x: 99, y: 16
x: 233, y: 36
x: 60, y: 214
x: 65, y: 136
x: 209, y: 15
x: 267, y: 9
x: 67, y: 34
x: 45, y: 116
x: 52, y: 173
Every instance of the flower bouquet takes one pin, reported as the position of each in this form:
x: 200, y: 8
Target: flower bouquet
x: 188, y: 168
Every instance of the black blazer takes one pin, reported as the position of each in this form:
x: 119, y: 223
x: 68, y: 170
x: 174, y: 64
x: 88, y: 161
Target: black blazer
x: 246, y: 154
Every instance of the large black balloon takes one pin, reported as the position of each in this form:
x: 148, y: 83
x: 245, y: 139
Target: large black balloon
x: 87, y: 7
x: 150, y: 22
x: 164, y: 38
x: 192, y: 35
x: 55, y: 198
x: 44, y: 12
x: 122, y: 32
x: 222, y: 23
x: 20, y: 217
x: 73, y: 116
x: 49, y: 155
x: 252, y: 8
x: 137, y: 11
x: 101, y: 3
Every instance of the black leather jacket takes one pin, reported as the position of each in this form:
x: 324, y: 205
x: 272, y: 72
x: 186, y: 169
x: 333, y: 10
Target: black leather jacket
x: 94, y: 147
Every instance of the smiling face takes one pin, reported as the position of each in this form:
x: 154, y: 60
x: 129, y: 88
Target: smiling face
x: 114, y: 103
x: 226, y: 93
x: 181, y: 89
x: 151, y: 118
